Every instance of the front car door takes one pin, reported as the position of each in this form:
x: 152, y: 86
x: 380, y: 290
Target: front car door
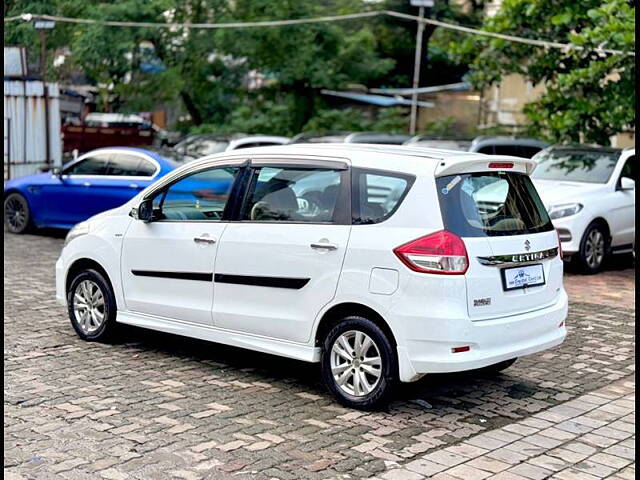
x: 94, y: 183
x: 622, y: 206
x: 279, y: 264
x: 66, y: 200
x: 167, y: 264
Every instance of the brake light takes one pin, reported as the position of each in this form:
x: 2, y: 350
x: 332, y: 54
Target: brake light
x: 441, y: 252
x: 501, y: 165
x: 559, y: 245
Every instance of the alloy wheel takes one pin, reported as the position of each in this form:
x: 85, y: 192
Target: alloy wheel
x: 356, y: 363
x: 15, y: 213
x: 89, y: 306
x: 594, y: 249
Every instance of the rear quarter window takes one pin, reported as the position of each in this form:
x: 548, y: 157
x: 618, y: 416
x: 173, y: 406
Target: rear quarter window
x: 377, y: 194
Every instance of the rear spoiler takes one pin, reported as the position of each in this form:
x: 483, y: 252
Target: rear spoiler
x: 486, y: 163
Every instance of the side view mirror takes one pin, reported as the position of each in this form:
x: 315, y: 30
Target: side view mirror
x: 143, y: 212
x: 627, y: 183
x: 57, y: 171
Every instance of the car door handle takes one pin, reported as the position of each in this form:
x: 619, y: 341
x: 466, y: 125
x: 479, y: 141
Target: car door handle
x: 133, y: 185
x: 86, y: 184
x: 208, y: 240
x: 324, y: 246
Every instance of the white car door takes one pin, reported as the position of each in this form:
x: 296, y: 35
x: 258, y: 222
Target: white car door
x: 279, y: 265
x: 167, y: 264
x: 622, y: 206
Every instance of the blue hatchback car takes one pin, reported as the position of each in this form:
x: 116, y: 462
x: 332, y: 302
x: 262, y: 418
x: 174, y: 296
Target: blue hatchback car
x: 94, y: 182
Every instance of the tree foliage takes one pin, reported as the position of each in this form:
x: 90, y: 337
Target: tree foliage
x: 589, y: 96
x: 205, y: 72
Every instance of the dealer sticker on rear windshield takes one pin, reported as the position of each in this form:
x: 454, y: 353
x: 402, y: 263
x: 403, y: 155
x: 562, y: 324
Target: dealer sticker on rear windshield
x: 451, y: 184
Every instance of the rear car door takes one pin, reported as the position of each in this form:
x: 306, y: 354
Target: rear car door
x: 279, y: 264
x: 514, y: 263
x: 167, y: 264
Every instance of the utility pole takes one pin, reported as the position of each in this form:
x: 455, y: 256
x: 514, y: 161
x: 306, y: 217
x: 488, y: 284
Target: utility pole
x: 42, y: 26
x: 417, y: 60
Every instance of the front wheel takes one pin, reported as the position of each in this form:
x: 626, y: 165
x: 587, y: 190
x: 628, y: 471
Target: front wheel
x: 359, y: 364
x: 593, y: 249
x: 92, y: 306
x: 17, y: 216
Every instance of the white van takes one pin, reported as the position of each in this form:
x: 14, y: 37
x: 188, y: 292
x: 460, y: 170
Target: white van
x: 383, y: 263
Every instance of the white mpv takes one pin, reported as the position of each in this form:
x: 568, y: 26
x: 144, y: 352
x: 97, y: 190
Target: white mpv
x: 382, y: 263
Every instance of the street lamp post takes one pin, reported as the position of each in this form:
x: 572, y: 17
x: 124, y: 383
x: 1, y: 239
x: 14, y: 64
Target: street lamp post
x: 422, y: 4
x: 42, y: 26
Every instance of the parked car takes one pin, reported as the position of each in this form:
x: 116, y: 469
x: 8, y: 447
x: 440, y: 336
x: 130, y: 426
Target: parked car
x: 351, y: 137
x: 428, y: 141
x: 590, y: 195
x: 519, y: 147
x: 383, y: 263
x: 96, y: 181
x: 196, y: 146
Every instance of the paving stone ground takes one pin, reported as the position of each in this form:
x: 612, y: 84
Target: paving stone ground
x: 154, y: 406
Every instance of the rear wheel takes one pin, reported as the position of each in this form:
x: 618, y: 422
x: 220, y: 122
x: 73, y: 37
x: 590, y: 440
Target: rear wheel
x: 359, y: 364
x: 17, y: 216
x: 593, y: 249
x: 92, y: 306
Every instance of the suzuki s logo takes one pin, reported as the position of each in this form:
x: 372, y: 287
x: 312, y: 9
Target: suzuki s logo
x: 527, y: 245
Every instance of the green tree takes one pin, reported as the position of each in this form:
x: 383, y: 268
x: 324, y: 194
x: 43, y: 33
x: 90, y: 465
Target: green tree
x: 589, y: 95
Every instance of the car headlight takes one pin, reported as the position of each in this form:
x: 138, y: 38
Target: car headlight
x: 565, y: 210
x: 80, y: 229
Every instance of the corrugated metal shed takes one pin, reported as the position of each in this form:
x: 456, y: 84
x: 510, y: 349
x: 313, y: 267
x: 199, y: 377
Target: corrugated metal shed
x: 24, y: 112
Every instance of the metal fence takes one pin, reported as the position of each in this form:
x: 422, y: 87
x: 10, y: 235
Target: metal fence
x: 28, y: 123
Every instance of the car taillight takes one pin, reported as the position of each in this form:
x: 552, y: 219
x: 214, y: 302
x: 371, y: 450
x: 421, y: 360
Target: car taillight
x: 559, y: 245
x: 441, y: 252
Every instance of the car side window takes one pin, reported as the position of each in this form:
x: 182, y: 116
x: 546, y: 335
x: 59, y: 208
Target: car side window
x: 93, y: 165
x: 488, y: 150
x: 526, y: 151
x: 293, y: 194
x: 507, y: 150
x: 377, y: 195
x: 124, y: 164
x: 201, y: 196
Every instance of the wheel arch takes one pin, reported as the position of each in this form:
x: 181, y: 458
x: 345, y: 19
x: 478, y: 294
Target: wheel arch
x: 341, y: 310
x: 83, y: 264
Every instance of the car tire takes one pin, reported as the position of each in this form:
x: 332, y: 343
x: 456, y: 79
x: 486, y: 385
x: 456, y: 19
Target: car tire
x: 92, y: 306
x: 594, y: 248
x: 498, y: 367
x: 17, y: 216
x: 364, y: 376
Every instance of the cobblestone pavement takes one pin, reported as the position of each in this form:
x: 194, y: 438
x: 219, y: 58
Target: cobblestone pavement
x: 156, y: 406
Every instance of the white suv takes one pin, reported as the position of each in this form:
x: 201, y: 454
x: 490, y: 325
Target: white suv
x: 590, y: 195
x: 383, y: 263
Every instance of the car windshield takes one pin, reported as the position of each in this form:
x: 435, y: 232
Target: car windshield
x: 576, y: 165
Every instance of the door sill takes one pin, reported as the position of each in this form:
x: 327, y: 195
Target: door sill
x: 209, y: 333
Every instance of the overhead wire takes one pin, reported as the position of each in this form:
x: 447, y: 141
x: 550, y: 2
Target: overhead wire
x: 331, y: 18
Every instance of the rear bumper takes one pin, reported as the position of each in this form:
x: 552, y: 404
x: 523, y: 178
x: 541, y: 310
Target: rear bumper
x: 490, y: 341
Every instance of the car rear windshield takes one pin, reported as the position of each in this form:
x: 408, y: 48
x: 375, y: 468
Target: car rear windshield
x: 491, y: 204
x: 576, y: 165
